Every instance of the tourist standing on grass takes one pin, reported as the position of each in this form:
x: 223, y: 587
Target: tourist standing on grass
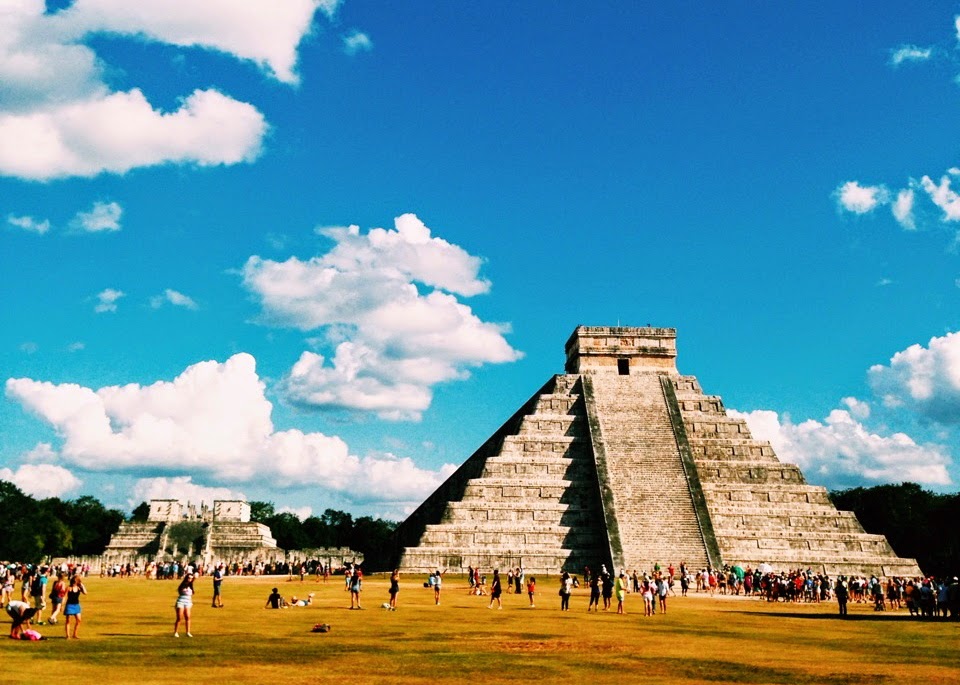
x: 394, y: 588
x: 620, y: 587
x: 356, y: 585
x: 532, y: 590
x: 184, y: 605
x: 841, y: 592
x: 217, y: 582
x: 606, y: 587
x: 57, y: 594
x: 647, y: 589
x: 594, y: 593
x: 662, y: 588
x: 566, y: 587
x: 495, y: 590
x: 72, y: 607
x: 437, y: 585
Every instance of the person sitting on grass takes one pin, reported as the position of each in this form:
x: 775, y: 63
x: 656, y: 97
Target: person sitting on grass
x: 21, y: 613
x: 275, y: 600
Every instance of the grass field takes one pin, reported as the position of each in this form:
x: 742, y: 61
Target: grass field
x: 126, y: 637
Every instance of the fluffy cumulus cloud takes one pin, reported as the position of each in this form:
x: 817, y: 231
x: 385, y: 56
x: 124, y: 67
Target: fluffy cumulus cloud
x: 41, y: 480
x: 175, y: 298
x: 29, y: 224
x: 103, y: 217
x: 58, y: 118
x: 860, y: 199
x: 923, y: 380
x: 107, y: 300
x: 180, y: 488
x: 122, y: 131
x: 212, y: 421
x: 387, y: 301
x: 841, y: 452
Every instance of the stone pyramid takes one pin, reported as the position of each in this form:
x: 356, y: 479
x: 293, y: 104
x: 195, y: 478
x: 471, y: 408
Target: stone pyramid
x: 623, y: 461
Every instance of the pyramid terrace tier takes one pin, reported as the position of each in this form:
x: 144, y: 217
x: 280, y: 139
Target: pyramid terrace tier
x: 456, y: 560
x: 749, y: 472
x: 708, y: 448
x: 778, y: 521
x: 515, y: 535
x: 554, y: 513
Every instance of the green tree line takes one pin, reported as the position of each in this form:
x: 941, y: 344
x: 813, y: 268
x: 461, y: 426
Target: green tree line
x: 918, y: 524
x: 36, y: 529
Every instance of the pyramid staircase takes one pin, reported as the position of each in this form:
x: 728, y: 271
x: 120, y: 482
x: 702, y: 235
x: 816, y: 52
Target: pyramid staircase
x: 534, y: 503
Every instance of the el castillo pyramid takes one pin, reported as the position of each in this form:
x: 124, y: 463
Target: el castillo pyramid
x: 621, y: 460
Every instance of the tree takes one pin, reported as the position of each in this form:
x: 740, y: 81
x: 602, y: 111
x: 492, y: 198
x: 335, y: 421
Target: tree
x: 261, y: 511
x: 140, y: 513
x: 288, y: 531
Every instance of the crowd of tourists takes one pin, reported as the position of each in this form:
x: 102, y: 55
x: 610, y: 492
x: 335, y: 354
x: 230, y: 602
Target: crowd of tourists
x: 170, y: 570
x: 54, y: 587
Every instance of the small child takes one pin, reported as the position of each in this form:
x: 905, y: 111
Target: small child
x: 532, y: 590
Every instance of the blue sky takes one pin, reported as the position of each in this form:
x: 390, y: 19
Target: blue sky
x: 189, y: 313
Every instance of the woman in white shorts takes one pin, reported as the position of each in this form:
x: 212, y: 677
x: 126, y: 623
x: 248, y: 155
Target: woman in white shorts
x: 184, y: 604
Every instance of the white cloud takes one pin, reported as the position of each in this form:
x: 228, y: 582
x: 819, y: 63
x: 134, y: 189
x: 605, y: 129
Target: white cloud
x: 924, y: 380
x: 58, y: 117
x: 910, y: 53
x: 392, y: 342
x: 29, y: 347
x: 841, y: 452
x: 943, y: 196
x: 858, y: 408
x: 214, y: 422
x: 266, y: 32
x: 902, y: 209
x: 859, y: 199
x: 357, y: 41
x: 42, y: 452
x: 28, y: 223
x: 180, y: 488
x: 76, y: 346
x: 122, y: 131
x: 301, y: 513
x: 41, y: 480
x: 173, y: 297
x: 102, y: 217
x: 107, y: 300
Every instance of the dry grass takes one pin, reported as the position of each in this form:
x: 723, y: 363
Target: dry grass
x: 126, y: 637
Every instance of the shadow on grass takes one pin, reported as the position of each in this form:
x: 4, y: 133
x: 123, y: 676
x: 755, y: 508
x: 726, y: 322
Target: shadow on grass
x: 728, y: 671
x: 879, y: 616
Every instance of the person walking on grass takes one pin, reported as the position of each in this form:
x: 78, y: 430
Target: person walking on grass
x: 57, y: 594
x: 594, y: 593
x: 184, y: 605
x: 394, y: 588
x: 217, y: 582
x: 71, y: 608
x: 841, y: 593
x: 495, y: 590
x: 532, y: 590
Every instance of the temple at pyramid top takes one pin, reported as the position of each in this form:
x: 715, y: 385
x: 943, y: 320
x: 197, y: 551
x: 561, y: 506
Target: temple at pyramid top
x: 621, y: 350
x: 624, y: 461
